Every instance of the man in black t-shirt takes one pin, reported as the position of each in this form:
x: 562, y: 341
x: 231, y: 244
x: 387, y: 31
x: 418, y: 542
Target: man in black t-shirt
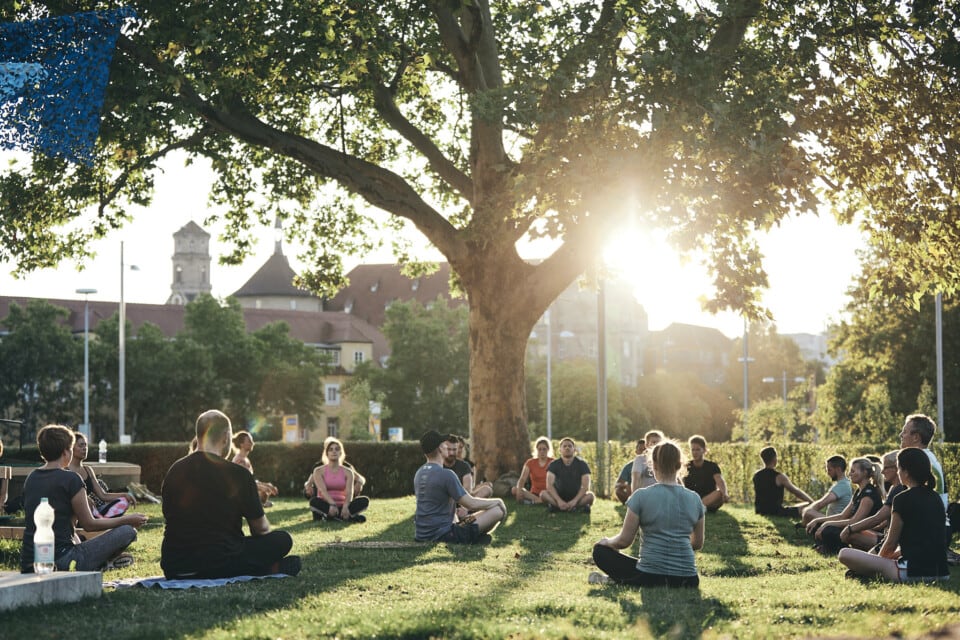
x: 205, y: 500
x: 768, y: 486
x: 568, y: 481
x: 704, y: 477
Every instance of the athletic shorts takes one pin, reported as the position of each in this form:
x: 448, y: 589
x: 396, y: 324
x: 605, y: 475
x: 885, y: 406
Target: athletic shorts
x: 903, y: 577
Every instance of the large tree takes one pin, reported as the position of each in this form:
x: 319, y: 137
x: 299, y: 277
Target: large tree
x: 479, y: 123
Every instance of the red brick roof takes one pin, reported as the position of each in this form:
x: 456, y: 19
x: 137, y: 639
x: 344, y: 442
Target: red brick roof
x: 374, y: 286
x: 312, y: 327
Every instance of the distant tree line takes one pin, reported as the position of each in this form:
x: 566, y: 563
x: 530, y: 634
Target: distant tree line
x: 213, y: 362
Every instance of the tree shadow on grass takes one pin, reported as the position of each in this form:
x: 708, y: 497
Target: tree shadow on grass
x: 673, y: 613
x: 541, y: 533
x: 724, y: 540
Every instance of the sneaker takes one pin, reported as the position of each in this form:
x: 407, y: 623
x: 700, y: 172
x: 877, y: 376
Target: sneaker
x: 584, y: 509
x: 289, y: 565
x: 120, y: 561
x: 318, y: 514
x: 552, y: 508
x: 596, y: 577
x: 484, y: 539
x: 359, y: 517
x: 267, y: 504
x: 953, y: 558
x: 528, y: 502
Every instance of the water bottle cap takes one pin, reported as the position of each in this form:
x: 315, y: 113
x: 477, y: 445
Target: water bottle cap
x: 42, y: 500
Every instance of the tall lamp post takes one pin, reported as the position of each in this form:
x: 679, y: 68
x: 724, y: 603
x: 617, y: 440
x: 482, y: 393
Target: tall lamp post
x: 746, y: 360
x: 603, y: 464
x: 122, y: 436
x: 85, y: 429
x: 546, y: 318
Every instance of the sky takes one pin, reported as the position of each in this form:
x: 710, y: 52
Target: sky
x: 810, y: 260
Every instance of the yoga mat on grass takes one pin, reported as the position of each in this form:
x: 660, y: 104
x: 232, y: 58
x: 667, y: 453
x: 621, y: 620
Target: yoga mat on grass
x: 197, y: 583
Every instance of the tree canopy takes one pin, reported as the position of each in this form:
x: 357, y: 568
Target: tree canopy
x: 481, y: 123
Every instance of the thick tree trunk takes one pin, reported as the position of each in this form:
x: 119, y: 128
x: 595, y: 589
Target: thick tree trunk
x: 500, y: 325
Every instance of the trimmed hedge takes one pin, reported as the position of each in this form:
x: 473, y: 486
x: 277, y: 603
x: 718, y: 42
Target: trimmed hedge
x: 389, y: 466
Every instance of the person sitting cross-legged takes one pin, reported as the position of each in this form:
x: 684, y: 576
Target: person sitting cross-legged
x: 837, y: 496
x: 868, y: 533
x: 438, y: 493
x: 534, y: 471
x: 206, y: 498
x: 568, y: 481
x: 243, y: 443
x: 914, y: 548
x: 704, y: 477
x: 671, y: 518
x: 866, y: 477
x: 67, y: 495
x: 641, y: 472
x: 768, y: 487
x: 335, y: 485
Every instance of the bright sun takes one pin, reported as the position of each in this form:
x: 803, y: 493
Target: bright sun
x: 668, y: 286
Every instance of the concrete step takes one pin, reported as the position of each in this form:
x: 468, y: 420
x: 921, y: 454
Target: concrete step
x: 19, y: 590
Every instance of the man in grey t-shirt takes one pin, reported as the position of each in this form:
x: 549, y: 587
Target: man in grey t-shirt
x: 836, y: 498
x: 438, y: 491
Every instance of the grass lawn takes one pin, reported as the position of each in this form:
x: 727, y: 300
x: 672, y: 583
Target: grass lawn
x: 759, y: 579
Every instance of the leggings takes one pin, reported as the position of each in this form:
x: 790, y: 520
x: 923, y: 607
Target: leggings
x: 357, y: 505
x: 623, y: 569
x: 92, y: 554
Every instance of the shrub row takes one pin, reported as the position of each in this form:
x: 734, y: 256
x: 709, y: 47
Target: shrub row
x: 389, y: 466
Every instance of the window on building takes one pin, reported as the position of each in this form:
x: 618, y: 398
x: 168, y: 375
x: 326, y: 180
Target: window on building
x: 331, y: 356
x: 257, y: 303
x: 293, y: 305
x: 357, y: 357
x: 333, y: 427
x: 178, y: 275
x: 332, y: 392
x: 416, y: 284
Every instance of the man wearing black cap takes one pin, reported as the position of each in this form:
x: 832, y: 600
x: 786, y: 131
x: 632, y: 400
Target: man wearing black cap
x: 438, y: 493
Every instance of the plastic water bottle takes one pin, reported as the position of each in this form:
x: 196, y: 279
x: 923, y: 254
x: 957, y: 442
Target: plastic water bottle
x: 43, y: 540
x: 103, y: 451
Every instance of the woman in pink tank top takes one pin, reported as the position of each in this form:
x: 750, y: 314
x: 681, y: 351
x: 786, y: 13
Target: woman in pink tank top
x: 334, y: 482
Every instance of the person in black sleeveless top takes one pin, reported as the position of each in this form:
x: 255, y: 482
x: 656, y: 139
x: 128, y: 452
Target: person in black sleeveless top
x: 768, y: 486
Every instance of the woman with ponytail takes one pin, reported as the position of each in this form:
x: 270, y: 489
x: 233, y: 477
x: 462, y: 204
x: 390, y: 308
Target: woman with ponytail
x: 915, y: 548
x: 671, y: 517
x: 867, y: 477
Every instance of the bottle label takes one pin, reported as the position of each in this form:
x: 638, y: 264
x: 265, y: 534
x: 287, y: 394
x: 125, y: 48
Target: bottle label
x: 43, y: 553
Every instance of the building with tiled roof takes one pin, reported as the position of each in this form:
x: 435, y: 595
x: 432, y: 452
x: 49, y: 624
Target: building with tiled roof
x: 373, y: 288
x: 346, y: 341
x: 271, y: 287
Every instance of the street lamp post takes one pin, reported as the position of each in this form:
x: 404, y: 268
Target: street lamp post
x: 602, y: 471
x: 783, y: 379
x: 122, y: 436
x: 746, y: 360
x: 85, y: 429
x: 549, y: 374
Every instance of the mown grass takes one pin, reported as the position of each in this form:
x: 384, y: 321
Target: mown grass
x: 759, y: 579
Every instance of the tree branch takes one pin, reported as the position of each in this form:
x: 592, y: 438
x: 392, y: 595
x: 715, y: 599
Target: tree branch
x: 376, y: 185
x: 447, y: 170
